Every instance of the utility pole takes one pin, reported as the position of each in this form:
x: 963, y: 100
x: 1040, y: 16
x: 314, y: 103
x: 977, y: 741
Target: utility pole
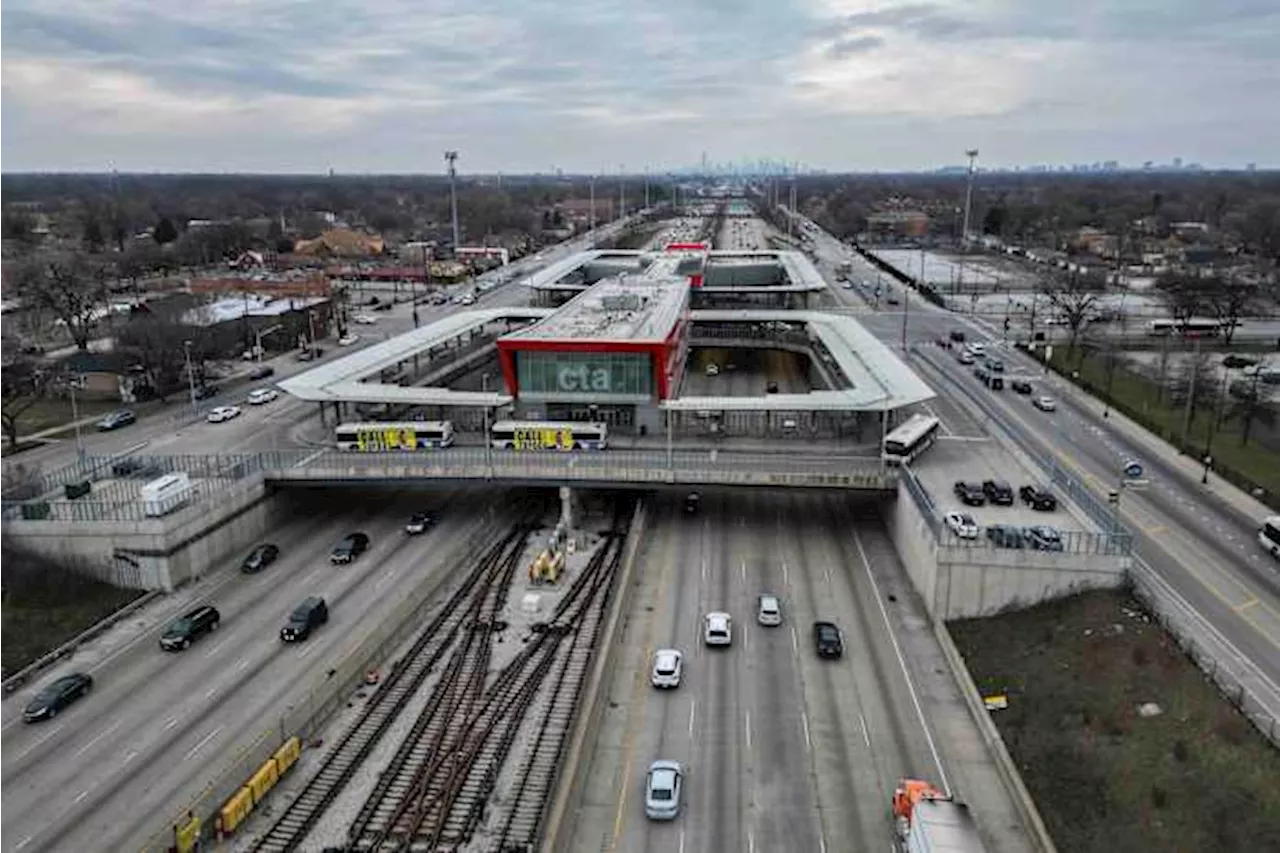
x: 972, y: 154
x: 593, y: 203
x: 1191, y: 393
x: 622, y: 191
x: 451, y: 159
x: 191, y: 376
x: 646, y: 187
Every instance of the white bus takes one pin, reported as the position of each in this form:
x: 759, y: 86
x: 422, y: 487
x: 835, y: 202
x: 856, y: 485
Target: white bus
x: 549, y: 435
x: 910, y: 439
x: 382, y: 437
x: 1269, y: 535
x: 1196, y: 327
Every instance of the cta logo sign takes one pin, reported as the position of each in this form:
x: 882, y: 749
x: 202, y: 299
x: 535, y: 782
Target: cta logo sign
x: 583, y: 377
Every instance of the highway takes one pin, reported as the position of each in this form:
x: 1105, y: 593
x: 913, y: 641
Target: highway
x: 782, y: 750
x: 111, y: 769
x: 1202, y: 545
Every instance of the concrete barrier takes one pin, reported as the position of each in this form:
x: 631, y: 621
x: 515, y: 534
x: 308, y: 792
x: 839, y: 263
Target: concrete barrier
x: 569, y: 788
x: 1005, y: 767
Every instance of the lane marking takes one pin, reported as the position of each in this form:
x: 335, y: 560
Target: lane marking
x: 744, y: 572
x: 682, y: 841
x: 748, y: 727
x: 27, y: 751
x: 786, y: 577
x: 241, y: 664
x: 213, y: 651
x: 203, y: 741
x: 133, y: 753
x: 209, y: 693
x: 1240, y: 608
x: 80, y: 796
x: 704, y: 570
x: 693, y: 709
x: 1154, y: 529
x: 866, y: 738
x: 23, y: 843
x: 751, y: 841
x: 902, y: 662
x: 804, y: 723
x: 795, y: 641
x: 172, y: 722
x: 99, y: 736
x: 826, y: 570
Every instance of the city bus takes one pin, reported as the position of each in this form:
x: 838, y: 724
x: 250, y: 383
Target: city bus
x: 388, y: 437
x: 1269, y: 535
x: 910, y: 439
x: 549, y: 435
x: 1195, y: 327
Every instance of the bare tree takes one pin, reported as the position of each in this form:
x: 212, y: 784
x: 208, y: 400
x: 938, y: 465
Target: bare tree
x: 1184, y: 294
x: 1228, y: 298
x: 23, y: 381
x: 1075, y: 295
x: 69, y: 286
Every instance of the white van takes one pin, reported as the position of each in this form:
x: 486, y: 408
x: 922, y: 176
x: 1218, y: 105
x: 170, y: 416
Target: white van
x: 165, y: 494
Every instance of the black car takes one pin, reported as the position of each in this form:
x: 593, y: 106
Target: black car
x: 56, y: 695
x: 311, y: 613
x: 970, y: 494
x: 259, y: 558
x: 1020, y: 386
x: 957, y: 336
x: 1038, y: 498
x: 204, y: 392
x: 771, y: 388
x: 419, y: 522
x: 1043, y: 538
x: 1005, y: 536
x: 828, y: 640
x: 191, y: 627
x: 262, y: 371
x: 998, y: 492
x: 691, y: 502
x: 117, y: 419
x: 351, y: 546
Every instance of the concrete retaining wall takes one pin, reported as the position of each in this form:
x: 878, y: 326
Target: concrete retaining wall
x: 161, y: 553
x: 913, y: 539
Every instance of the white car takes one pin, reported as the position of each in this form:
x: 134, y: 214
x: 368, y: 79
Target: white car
x: 668, y: 664
x: 662, y: 787
x: 1045, y: 404
x: 347, y: 340
x: 769, y: 610
x: 258, y: 396
x: 718, y: 630
x: 364, y: 319
x: 713, y: 370
x: 977, y: 349
x: 468, y: 300
x: 962, y: 525
x: 223, y: 413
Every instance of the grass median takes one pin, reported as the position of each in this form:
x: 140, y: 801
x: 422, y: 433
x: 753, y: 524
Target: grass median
x: 1197, y: 776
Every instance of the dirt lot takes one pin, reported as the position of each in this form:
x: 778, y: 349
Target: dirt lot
x: 1196, y: 777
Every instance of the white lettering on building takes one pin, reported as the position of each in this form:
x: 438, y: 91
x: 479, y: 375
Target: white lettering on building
x: 581, y: 377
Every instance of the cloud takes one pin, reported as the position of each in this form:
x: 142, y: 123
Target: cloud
x: 361, y: 86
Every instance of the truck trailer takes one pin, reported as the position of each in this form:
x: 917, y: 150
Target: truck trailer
x: 929, y: 820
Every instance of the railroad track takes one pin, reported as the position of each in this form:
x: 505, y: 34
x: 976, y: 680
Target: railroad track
x: 440, y: 804
x: 405, y: 678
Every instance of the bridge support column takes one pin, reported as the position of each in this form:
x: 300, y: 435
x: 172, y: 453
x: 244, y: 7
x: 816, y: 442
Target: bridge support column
x: 322, y: 420
x: 566, y: 509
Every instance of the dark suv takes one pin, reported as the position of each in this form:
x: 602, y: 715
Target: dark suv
x: 998, y: 492
x: 1038, y: 498
x: 259, y: 558
x: 1005, y: 536
x: 827, y: 639
x: 56, y: 695
x: 970, y: 494
x: 311, y: 613
x: 352, y: 546
x: 191, y: 627
x: 1020, y: 386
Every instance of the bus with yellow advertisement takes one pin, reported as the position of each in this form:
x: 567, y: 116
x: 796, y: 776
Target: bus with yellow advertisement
x: 400, y: 437
x: 549, y: 435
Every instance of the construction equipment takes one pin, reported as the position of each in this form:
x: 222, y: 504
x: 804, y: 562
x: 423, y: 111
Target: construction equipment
x: 928, y: 820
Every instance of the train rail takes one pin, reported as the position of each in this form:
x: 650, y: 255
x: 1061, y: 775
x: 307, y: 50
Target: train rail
x: 403, y: 681
x: 439, y: 786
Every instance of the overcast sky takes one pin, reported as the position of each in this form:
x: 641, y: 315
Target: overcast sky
x: 589, y: 85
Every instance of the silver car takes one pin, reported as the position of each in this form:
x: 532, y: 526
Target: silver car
x: 662, y: 789
x: 769, y: 610
x: 1045, y: 404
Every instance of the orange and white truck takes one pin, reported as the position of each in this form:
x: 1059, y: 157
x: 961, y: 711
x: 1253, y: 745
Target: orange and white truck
x: 929, y: 820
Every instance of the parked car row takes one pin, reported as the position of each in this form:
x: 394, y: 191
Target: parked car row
x: 1000, y: 493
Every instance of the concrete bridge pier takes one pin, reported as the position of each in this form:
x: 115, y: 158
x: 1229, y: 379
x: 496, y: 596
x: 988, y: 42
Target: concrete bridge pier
x: 566, y: 509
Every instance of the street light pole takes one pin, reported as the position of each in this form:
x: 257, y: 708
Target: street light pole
x: 191, y: 376
x: 593, y: 203
x: 488, y: 445
x: 450, y: 159
x: 75, y: 416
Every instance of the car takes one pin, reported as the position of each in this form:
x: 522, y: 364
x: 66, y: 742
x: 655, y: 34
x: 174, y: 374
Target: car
x: 769, y: 610
x: 691, y: 502
x: 977, y: 348
x: 56, y: 695
x: 351, y: 546
x: 348, y: 340
x: 828, y: 640
x: 204, y: 392
x: 307, y: 616
x: 1020, y: 386
x: 364, y: 319
x: 969, y: 494
x: 419, y: 522
x: 136, y: 469
x: 218, y: 414
x: 1042, y: 537
x: 668, y: 664
x: 1045, y: 404
x: 117, y: 419
x: 995, y: 365
x: 662, y: 788
x: 848, y: 285
x: 998, y: 492
x: 1038, y: 498
x: 962, y: 524
x: 440, y: 298
x: 384, y: 306
x: 965, y: 357
x: 718, y: 629
x: 1005, y: 536
x: 469, y: 299
x: 260, y: 557
x: 190, y: 627
x: 456, y: 299
x: 713, y: 370
x: 259, y: 396
x: 262, y: 371
x: 957, y: 336
x: 310, y: 354
x: 771, y: 387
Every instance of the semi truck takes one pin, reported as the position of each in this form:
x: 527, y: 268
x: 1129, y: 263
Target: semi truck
x: 929, y: 820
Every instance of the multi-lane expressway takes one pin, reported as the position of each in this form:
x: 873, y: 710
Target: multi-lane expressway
x: 109, y: 771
